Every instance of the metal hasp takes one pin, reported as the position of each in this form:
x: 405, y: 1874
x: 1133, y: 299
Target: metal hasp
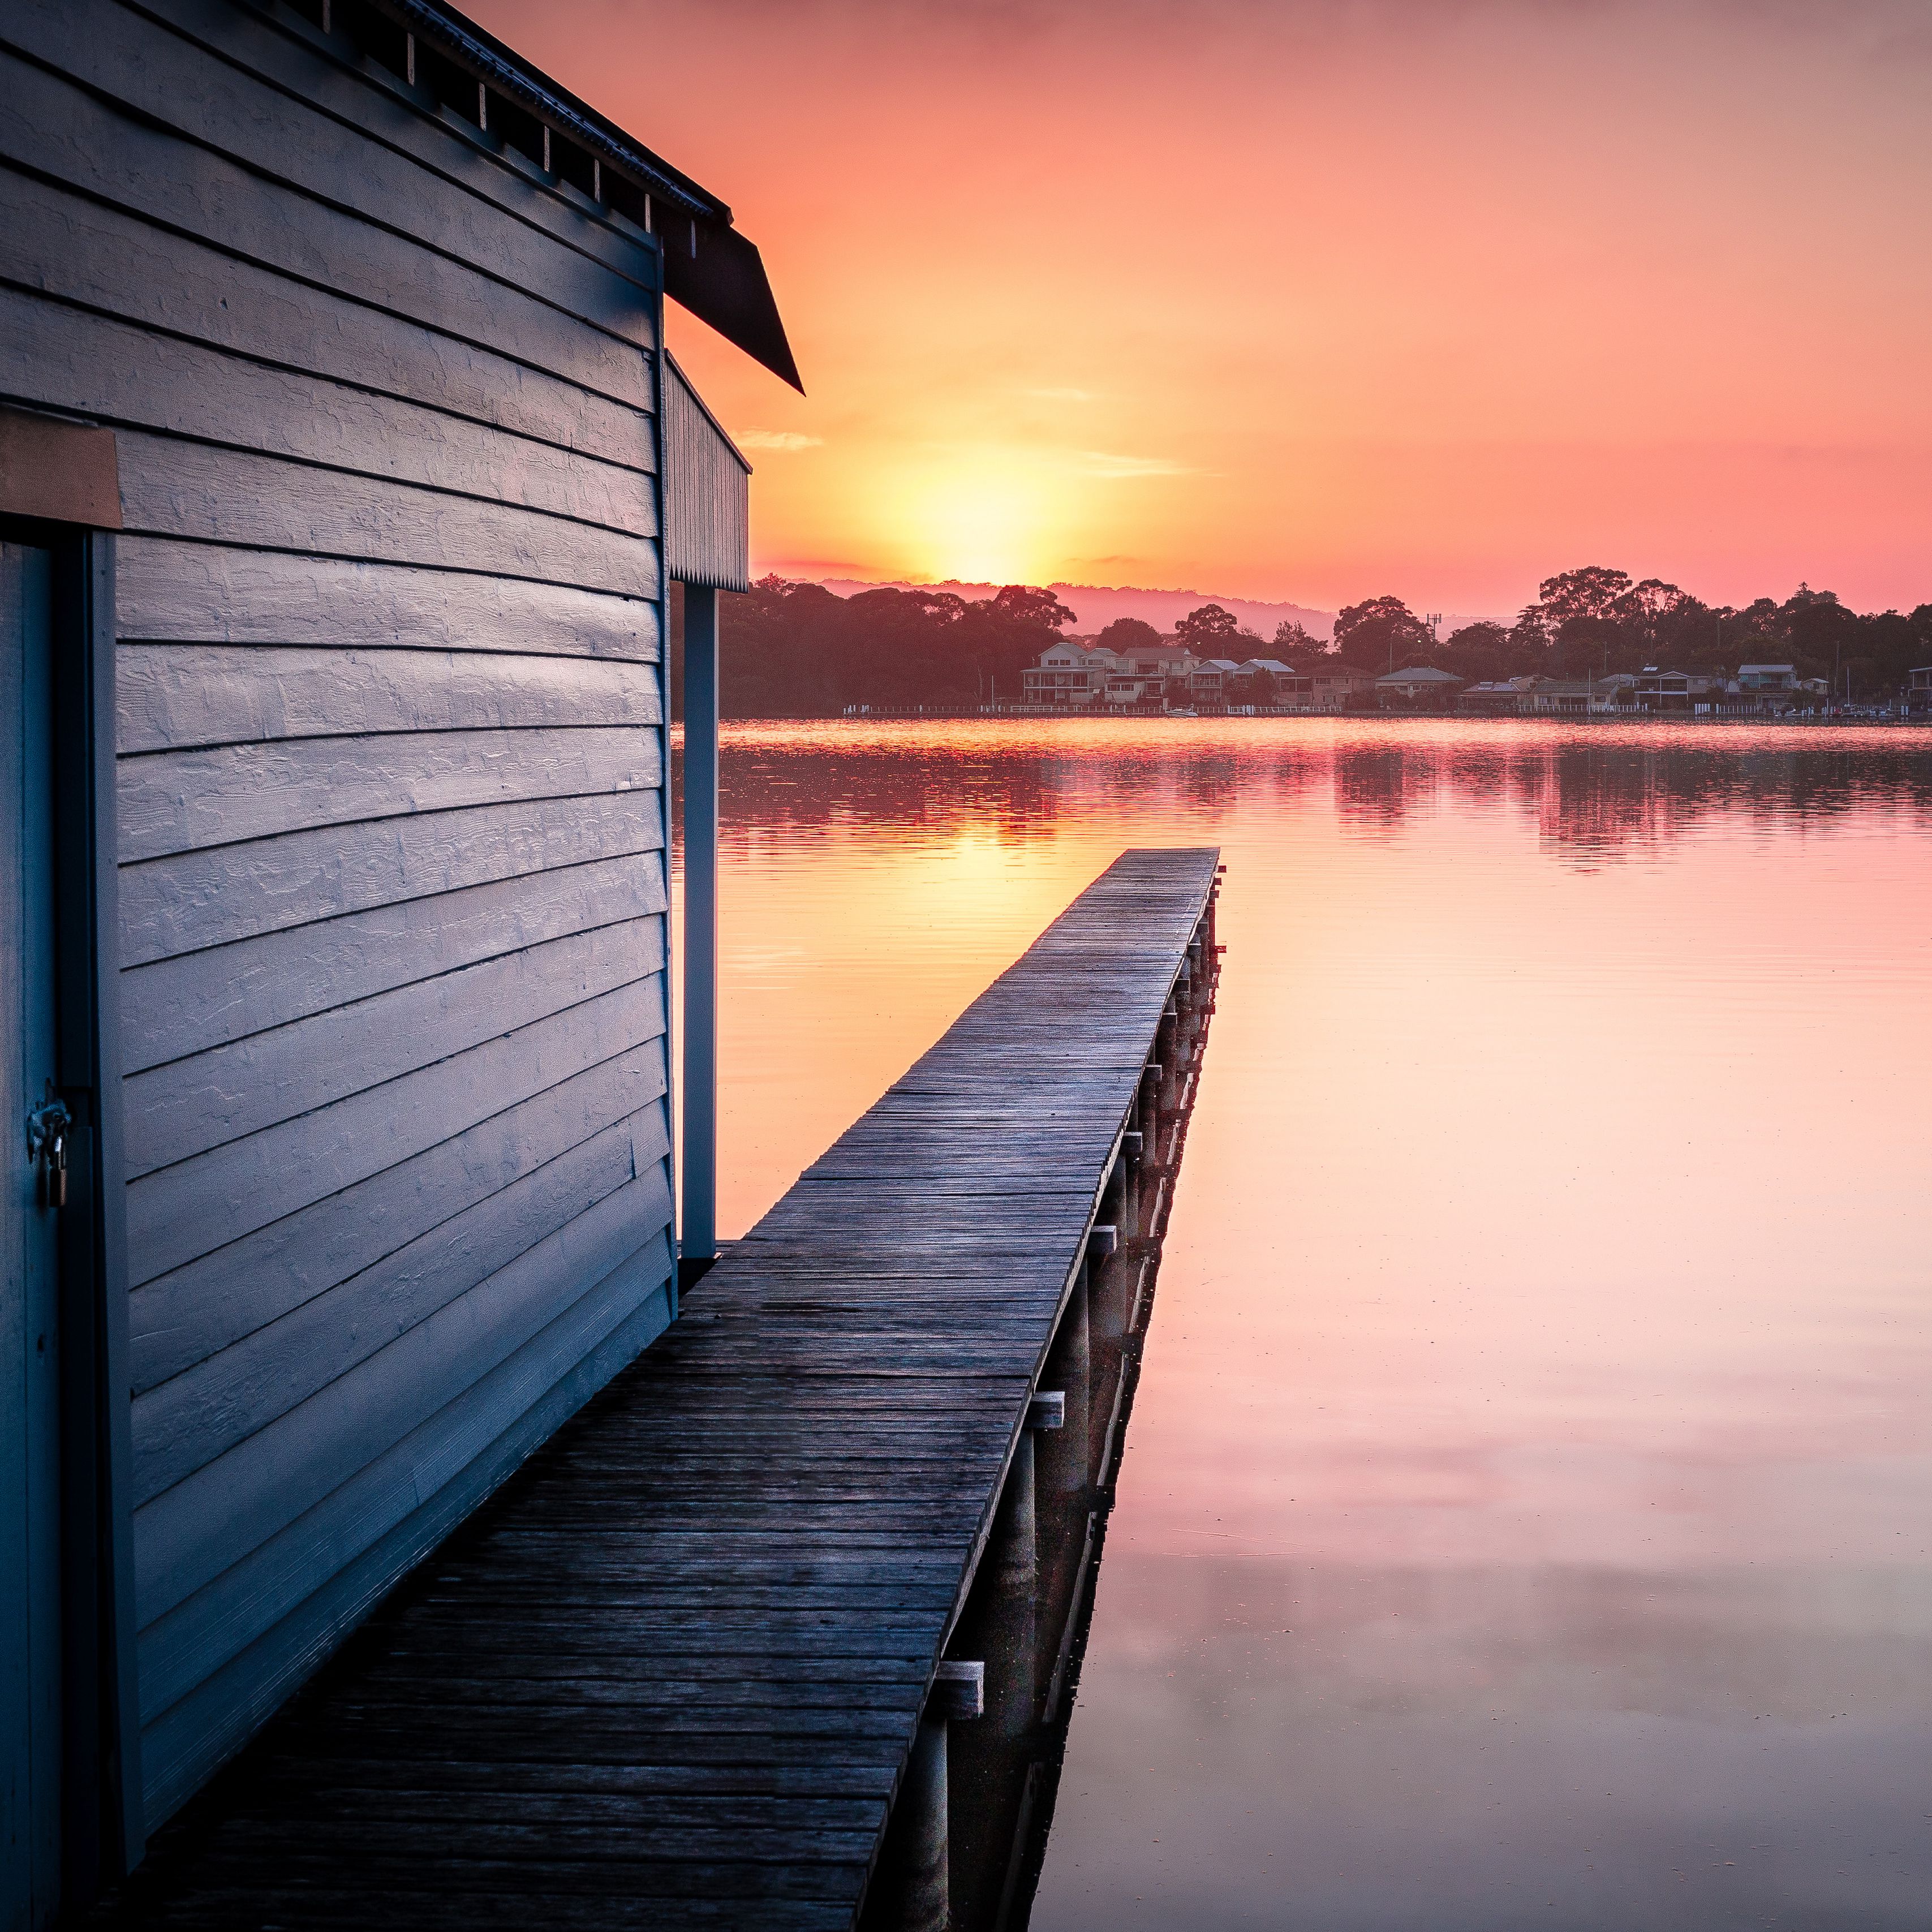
x: 48, y: 1126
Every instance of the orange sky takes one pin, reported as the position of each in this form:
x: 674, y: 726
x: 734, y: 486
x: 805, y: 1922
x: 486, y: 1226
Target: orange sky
x: 1313, y: 300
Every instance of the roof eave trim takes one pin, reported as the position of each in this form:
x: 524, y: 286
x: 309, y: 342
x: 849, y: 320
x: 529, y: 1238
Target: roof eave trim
x: 462, y: 38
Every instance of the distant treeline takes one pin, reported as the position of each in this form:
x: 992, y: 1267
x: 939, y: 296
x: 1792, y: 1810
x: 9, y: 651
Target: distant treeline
x: 1587, y: 622
x: 791, y: 649
x: 797, y: 650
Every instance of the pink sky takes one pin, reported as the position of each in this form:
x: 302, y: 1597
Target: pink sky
x: 1314, y: 302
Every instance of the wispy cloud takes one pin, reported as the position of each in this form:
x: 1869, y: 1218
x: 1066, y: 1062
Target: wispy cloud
x: 1101, y: 462
x: 776, y: 438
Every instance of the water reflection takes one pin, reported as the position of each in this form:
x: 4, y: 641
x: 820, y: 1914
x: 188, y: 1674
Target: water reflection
x: 1599, y: 788
x: 1525, y: 1515
x: 1262, y: 1744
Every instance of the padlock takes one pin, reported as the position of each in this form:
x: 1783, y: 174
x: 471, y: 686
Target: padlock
x: 47, y: 1126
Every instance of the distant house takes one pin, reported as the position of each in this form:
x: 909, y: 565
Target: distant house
x: 1918, y: 689
x: 1574, y: 697
x: 1073, y: 675
x: 1676, y: 690
x: 1768, y: 677
x: 1420, y: 685
x: 1268, y: 675
x: 1335, y: 690
x: 1127, y: 689
x: 1069, y: 673
x: 1208, y: 681
x: 1158, y: 676
x: 1490, y: 700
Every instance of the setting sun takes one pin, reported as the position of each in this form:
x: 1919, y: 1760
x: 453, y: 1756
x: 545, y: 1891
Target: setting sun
x: 1411, y: 299
x: 983, y: 520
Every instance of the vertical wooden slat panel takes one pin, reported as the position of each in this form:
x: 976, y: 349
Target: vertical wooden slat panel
x: 706, y: 493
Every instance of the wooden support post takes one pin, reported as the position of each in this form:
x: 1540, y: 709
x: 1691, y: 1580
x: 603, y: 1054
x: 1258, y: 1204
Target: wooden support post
x: 1063, y: 1496
x: 988, y: 1763
x: 958, y: 1689
x: 1010, y: 1568
x: 1046, y: 1408
x: 697, y: 1246
x: 1109, y: 1300
x: 911, y: 1891
x: 1062, y: 1473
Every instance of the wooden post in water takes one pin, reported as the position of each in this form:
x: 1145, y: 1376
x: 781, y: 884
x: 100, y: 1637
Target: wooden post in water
x: 1062, y: 1459
x: 1011, y: 1569
x: 911, y: 1893
x: 986, y: 1765
x: 1063, y: 1493
x: 697, y: 1243
x: 1107, y: 1308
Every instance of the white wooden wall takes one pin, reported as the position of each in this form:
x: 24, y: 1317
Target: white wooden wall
x: 390, y: 761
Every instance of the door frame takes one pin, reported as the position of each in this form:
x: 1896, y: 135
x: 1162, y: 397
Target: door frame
x: 102, y: 1831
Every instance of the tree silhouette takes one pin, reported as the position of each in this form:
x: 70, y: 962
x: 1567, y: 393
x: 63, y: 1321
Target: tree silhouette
x: 1203, y: 630
x: 1125, y: 635
x: 1378, y: 632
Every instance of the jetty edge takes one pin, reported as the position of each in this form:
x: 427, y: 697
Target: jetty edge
x: 778, y: 1630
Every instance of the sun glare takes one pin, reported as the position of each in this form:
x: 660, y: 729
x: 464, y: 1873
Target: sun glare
x: 987, y: 522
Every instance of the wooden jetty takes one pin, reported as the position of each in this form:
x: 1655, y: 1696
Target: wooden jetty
x: 705, y: 1657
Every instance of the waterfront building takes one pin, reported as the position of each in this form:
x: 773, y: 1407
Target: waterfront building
x: 1571, y: 697
x: 1418, y: 686
x: 1207, y: 680
x: 1337, y: 689
x: 1659, y: 690
x: 1072, y: 674
x: 1269, y: 676
x: 1069, y: 673
x: 1767, y: 677
x: 1490, y: 699
x: 345, y: 478
x: 1918, y: 689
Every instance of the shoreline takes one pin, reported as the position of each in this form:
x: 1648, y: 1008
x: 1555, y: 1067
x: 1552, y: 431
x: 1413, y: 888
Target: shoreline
x: 1043, y: 713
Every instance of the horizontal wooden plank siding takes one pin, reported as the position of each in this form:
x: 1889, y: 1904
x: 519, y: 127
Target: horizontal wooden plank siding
x: 707, y: 494
x: 389, y: 713
x: 672, y: 1675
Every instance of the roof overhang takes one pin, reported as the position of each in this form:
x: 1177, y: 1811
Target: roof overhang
x: 708, y: 267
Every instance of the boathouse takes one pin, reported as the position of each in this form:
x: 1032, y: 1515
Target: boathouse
x: 343, y: 474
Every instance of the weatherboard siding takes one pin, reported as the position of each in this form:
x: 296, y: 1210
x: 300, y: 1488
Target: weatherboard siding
x: 390, y: 791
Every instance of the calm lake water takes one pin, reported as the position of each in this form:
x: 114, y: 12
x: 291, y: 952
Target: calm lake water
x: 1524, y: 1519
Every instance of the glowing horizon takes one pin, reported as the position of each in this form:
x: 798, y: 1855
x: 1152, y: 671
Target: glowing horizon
x: 1313, y: 302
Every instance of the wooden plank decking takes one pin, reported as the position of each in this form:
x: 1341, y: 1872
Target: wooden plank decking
x: 672, y: 1672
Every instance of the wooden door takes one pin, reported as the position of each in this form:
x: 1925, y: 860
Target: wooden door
x: 30, y: 1537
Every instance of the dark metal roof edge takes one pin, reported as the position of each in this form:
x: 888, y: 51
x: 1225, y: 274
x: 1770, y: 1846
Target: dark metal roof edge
x: 704, y: 410
x: 509, y: 72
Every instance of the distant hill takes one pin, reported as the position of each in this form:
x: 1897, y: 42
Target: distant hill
x: 1095, y: 606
